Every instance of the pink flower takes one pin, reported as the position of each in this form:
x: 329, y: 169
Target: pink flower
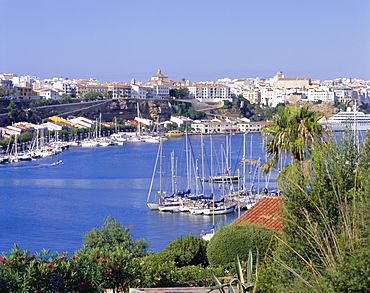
x: 103, y: 259
x: 116, y: 267
x: 73, y: 257
x: 50, y: 265
x: 2, y: 259
x: 33, y: 255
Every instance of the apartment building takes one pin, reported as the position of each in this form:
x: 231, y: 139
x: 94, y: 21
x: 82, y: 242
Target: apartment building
x: 119, y: 90
x: 320, y: 94
x: 344, y: 94
x: 214, y: 93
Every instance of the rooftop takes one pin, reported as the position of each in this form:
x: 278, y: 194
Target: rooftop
x: 266, y: 212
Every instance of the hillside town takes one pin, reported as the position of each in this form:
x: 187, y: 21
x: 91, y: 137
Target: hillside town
x: 270, y: 92
x: 267, y: 92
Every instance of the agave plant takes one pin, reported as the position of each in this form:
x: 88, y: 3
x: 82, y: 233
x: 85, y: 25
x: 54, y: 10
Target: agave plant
x: 239, y: 284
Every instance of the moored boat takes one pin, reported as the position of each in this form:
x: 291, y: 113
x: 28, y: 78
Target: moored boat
x: 174, y: 133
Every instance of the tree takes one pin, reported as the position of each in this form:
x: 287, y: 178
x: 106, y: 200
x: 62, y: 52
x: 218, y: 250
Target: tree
x: 293, y: 131
x: 180, y: 93
x: 113, y: 234
x: 13, y: 113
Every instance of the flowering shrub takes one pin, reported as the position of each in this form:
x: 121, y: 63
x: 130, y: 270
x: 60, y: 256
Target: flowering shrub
x: 88, y: 270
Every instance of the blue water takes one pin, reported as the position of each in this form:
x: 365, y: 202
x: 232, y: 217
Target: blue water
x: 51, y: 207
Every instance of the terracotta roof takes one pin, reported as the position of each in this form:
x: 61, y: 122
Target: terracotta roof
x: 266, y: 212
x: 159, y: 74
x: 23, y: 87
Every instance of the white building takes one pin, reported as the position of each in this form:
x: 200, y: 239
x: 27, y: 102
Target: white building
x: 159, y: 92
x: 320, y: 94
x: 82, y: 122
x: 138, y: 92
x: 213, y: 127
x: 344, y: 94
x: 251, y: 126
x: 68, y: 87
x: 179, y: 120
x: 49, y: 94
x: 207, y: 92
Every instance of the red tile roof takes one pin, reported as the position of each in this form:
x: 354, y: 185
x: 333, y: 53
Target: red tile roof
x: 266, y: 212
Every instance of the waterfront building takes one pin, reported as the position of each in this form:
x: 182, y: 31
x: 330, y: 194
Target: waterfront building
x: 251, y: 126
x: 213, y: 127
x: 180, y: 120
x: 82, y: 122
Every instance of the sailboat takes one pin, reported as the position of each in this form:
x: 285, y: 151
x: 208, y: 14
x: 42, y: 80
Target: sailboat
x: 153, y: 203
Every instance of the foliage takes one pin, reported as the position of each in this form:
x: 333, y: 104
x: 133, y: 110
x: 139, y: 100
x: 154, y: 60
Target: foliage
x: 88, y: 270
x: 113, y: 234
x: 179, y: 93
x: 185, y: 109
x: 195, y: 115
x: 256, y: 112
x: 14, y: 114
x: 95, y: 96
x: 293, y: 131
x: 21, y: 138
x: 326, y: 237
x: 157, y: 272
x: 233, y: 240
x: 240, y: 282
x: 185, y: 251
x: 5, y: 91
x: 227, y: 104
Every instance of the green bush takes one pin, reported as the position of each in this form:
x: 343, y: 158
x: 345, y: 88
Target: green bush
x: 185, y: 251
x: 234, y: 240
x: 157, y: 272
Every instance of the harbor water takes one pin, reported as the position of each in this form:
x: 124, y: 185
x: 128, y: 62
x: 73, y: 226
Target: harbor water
x: 45, y: 206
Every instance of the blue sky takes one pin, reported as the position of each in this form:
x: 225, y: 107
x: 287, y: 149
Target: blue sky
x: 117, y: 40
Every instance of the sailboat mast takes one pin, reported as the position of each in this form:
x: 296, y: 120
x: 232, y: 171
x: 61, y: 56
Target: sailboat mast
x: 211, y: 152
x: 160, y: 169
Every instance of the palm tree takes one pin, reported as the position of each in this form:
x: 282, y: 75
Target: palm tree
x: 293, y: 131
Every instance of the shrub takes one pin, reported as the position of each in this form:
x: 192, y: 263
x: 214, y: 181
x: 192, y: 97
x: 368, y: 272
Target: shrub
x: 234, y: 240
x: 185, y: 251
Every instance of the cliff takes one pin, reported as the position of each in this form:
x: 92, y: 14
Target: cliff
x: 123, y: 108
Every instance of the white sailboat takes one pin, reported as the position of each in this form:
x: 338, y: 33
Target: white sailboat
x: 153, y: 203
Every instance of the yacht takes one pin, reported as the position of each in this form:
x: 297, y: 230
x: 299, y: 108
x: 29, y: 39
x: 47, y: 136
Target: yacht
x: 350, y: 119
